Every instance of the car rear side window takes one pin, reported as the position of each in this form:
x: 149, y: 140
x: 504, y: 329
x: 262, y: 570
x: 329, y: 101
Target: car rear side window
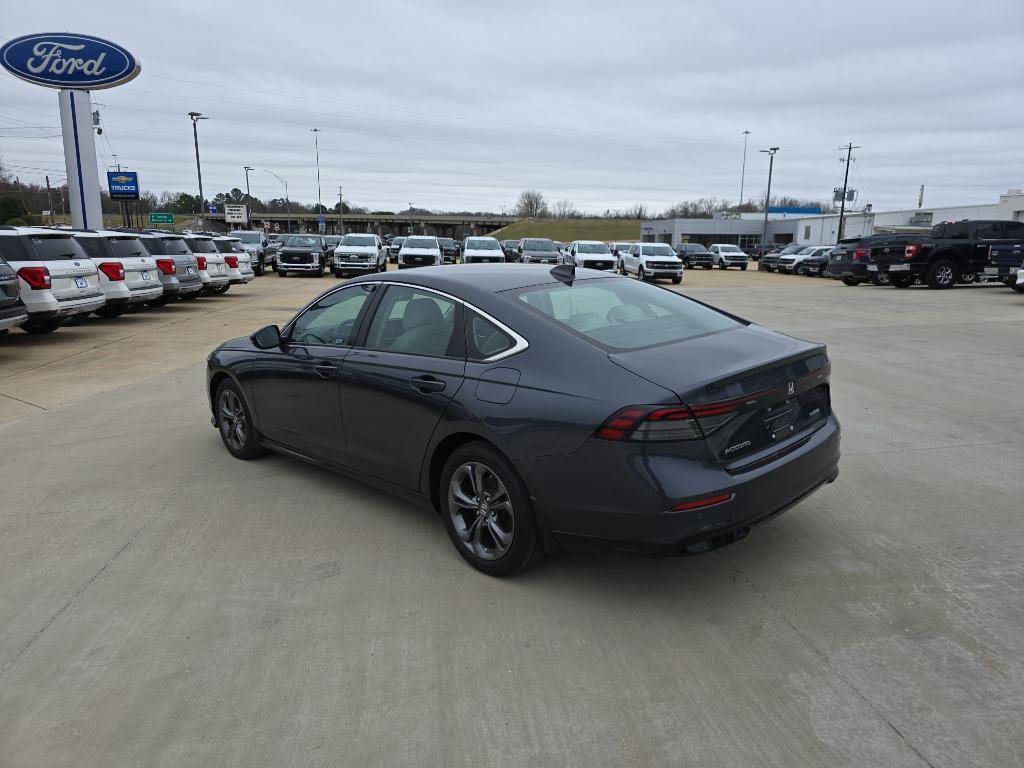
x: 416, y: 322
x: 621, y: 314
x: 12, y: 249
x: 51, y: 247
x: 202, y: 246
x: 485, y: 339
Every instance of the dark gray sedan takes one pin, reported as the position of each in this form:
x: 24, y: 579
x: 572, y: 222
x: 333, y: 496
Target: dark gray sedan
x: 532, y: 407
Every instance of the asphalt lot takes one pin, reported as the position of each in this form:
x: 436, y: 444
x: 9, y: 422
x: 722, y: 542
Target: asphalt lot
x: 163, y: 604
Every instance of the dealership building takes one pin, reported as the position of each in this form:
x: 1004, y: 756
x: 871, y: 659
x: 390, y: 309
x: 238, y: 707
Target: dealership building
x: 745, y: 229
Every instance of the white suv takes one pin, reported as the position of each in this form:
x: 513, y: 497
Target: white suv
x: 236, y: 258
x: 419, y: 251
x: 212, y: 267
x: 357, y: 253
x: 649, y: 261
x: 128, y: 274
x: 56, y: 279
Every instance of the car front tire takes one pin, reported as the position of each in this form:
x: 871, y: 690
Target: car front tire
x: 486, y: 511
x: 234, y: 422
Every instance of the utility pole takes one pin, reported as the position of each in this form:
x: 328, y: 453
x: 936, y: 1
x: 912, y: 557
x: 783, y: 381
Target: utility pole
x: 341, y: 223
x: 248, y: 196
x: 743, y: 173
x: 316, y: 144
x: 21, y: 191
x: 768, y: 196
x: 846, y: 179
x: 920, y: 197
x: 196, y: 117
x: 49, y: 199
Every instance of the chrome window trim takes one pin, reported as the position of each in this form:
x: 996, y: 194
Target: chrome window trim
x: 520, y: 343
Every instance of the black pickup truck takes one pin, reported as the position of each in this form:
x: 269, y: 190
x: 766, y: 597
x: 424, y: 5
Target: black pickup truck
x: 1006, y: 259
x: 954, y: 252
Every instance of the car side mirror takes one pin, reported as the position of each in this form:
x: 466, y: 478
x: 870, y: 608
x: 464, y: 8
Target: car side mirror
x: 615, y: 252
x: 267, y: 337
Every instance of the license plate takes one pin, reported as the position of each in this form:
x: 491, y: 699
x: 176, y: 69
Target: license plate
x: 81, y: 282
x: 145, y: 275
x: 991, y: 270
x: 190, y: 270
x: 899, y: 268
x: 872, y: 267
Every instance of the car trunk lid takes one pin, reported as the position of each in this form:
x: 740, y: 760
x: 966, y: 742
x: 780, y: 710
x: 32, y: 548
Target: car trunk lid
x: 749, y: 389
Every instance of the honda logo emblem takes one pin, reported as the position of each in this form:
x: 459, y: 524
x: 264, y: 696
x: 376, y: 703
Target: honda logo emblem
x: 792, y: 388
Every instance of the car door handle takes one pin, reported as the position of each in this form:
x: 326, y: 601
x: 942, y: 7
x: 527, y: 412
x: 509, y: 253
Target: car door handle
x: 427, y: 384
x: 325, y: 370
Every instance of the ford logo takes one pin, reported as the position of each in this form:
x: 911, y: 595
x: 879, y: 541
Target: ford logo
x: 61, y: 60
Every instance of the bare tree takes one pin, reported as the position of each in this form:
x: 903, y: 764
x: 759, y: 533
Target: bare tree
x: 531, y: 204
x: 638, y: 211
x: 565, y: 209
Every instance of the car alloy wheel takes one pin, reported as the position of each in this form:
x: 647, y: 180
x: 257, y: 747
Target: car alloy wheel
x: 234, y: 424
x: 880, y: 278
x: 943, y: 274
x: 640, y: 274
x: 481, y: 510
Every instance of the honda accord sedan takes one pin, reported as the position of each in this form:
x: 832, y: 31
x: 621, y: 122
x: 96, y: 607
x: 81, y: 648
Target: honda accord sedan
x: 533, y: 407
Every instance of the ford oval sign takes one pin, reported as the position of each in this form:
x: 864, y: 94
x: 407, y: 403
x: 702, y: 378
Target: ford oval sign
x: 62, y: 60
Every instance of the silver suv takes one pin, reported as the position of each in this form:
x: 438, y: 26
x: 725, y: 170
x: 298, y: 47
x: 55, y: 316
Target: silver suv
x: 56, y: 279
x: 179, y: 272
x: 128, y: 274
x: 237, y: 260
x: 212, y: 268
x: 256, y: 244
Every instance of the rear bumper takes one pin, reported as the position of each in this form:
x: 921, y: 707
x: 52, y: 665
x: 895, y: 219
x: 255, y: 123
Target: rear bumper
x: 53, y: 308
x: 146, y: 294
x: 858, y: 270
x: 595, y: 495
x: 13, y: 317
x: 211, y: 281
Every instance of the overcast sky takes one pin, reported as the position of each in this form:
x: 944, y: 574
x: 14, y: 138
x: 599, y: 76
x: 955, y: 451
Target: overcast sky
x: 461, y: 104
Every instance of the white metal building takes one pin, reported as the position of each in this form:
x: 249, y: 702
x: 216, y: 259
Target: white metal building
x: 745, y: 229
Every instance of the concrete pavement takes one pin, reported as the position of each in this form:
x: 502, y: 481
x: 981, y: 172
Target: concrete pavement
x: 164, y: 604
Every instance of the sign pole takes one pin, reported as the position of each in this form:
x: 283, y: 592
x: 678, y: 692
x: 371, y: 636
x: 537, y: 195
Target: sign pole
x: 80, y: 159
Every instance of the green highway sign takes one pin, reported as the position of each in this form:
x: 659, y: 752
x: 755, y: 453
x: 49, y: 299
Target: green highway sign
x: 161, y: 218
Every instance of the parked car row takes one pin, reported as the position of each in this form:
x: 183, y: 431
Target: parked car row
x: 48, y: 276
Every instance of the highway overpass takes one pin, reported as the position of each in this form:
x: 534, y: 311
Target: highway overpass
x: 442, y: 225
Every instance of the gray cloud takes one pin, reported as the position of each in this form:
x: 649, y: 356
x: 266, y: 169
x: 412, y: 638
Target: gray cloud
x: 462, y: 104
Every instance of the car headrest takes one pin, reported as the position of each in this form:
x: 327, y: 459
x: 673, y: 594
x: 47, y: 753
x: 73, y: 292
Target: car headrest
x: 421, y: 312
x: 625, y: 313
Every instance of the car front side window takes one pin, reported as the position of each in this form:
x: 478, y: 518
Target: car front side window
x: 331, y: 320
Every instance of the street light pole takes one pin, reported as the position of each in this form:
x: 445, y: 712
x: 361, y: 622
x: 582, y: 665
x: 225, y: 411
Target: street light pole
x: 743, y: 173
x: 768, y: 196
x: 341, y: 222
x: 316, y: 144
x: 248, y: 195
x: 287, y: 200
x: 196, y: 117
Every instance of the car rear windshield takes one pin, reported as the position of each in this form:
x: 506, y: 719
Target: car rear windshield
x: 420, y: 242
x: 126, y: 247
x: 657, y: 250
x: 482, y: 245
x: 592, y: 248
x: 202, y: 246
x: 172, y: 246
x: 624, y: 314
x: 358, y: 240
x: 228, y: 246
x: 51, y: 247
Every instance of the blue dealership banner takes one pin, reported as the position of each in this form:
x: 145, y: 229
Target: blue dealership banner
x: 794, y: 210
x: 63, y: 60
x: 123, y: 185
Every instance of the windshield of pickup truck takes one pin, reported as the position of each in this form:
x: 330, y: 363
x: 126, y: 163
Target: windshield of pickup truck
x: 482, y: 245
x: 592, y: 248
x: 302, y: 241
x: 420, y: 242
x: 249, y: 237
x: 358, y: 240
x: 532, y: 244
x: 657, y: 250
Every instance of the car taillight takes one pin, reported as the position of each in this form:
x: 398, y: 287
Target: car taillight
x: 911, y: 251
x: 231, y: 261
x: 860, y: 254
x: 112, y: 269
x: 166, y: 266
x: 658, y: 423
x: 201, y: 262
x: 38, y: 278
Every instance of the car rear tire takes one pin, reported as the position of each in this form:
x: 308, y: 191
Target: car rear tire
x: 222, y: 289
x: 851, y: 281
x: 901, y: 281
x: 161, y: 302
x: 676, y: 280
x: 41, y: 326
x: 880, y: 278
x: 943, y: 274
x: 486, y: 511
x: 109, y: 313
x: 281, y: 273
x: 968, y: 278
x: 743, y: 267
x: 190, y: 296
x: 234, y: 423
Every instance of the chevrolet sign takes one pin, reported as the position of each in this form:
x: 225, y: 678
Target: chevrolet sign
x: 123, y: 185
